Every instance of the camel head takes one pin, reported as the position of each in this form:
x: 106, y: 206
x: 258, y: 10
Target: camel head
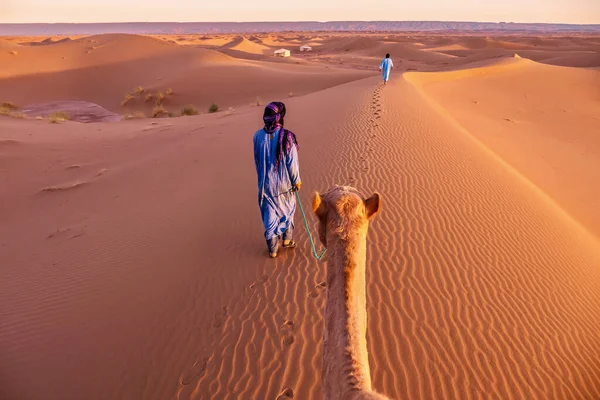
x: 343, y: 212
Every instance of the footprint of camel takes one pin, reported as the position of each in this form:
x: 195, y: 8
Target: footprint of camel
x: 259, y: 281
x: 286, y: 331
x: 318, y: 288
x: 220, y: 317
x: 197, y: 370
x: 286, y: 394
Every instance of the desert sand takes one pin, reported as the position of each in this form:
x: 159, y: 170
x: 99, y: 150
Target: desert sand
x: 132, y: 259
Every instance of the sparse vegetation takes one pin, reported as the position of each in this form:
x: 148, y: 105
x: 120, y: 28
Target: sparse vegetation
x: 9, y: 106
x: 139, y: 90
x: 159, y: 111
x: 149, y: 97
x: 189, y: 110
x: 137, y: 115
x: 213, y: 108
x: 10, y: 109
x: 169, y: 92
x: 59, y: 116
x: 160, y: 97
x: 128, y: 99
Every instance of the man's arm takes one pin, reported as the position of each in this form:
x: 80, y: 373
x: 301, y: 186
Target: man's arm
x: 293, y: 167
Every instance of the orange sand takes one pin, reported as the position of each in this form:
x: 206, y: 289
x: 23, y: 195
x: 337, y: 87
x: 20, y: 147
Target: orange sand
x: 132, y: 259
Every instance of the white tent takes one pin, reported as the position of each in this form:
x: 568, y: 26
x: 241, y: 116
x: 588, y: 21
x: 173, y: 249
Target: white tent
x: 305, y: 48
x: 282, y: 53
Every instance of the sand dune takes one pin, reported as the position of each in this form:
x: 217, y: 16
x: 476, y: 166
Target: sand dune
x: 512, y: 108
x: 117, y: 64
x: 133, y: 262
x: 6, y: 45
x: 244, y: 45
x: 96, y: 51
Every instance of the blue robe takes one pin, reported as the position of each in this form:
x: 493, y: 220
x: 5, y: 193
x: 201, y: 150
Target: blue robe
x: 277, y: 204
x: 386, y: 66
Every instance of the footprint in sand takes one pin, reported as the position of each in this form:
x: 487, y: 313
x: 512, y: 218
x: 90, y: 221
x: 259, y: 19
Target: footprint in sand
x: 286, y: 394
x: 197, y: 370
x: 315, y: 292
x: 220, y: 317
x: 286, y: 331
x: 259, y: 281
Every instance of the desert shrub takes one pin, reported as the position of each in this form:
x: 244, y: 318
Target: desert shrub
x: 189, y: 110
x: 59, y: 116
x: 8, y: 108
x: 213, y: 108
x: 159, y: 111
x: 139, y: 90
x: 169, y: 92
x: 149, y: 97
x: 160, y: 97
x: 127, y: 100
x: 7, y: 105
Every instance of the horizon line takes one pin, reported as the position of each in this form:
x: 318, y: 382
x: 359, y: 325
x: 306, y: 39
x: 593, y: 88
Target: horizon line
x: 300, y: 21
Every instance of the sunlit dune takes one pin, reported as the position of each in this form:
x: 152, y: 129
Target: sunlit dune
x: 133, y: 261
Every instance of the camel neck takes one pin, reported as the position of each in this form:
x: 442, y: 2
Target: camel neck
x: 346, y: 364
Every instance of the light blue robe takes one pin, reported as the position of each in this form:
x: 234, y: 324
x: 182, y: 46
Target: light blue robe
x: 277, y: 204
x: 386, y: 66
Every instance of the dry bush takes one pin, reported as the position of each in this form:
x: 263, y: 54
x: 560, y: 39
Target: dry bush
x: 169, y: 92
x: 139, y: 90
x: 213, y: 108
x: 128, y: 99
x: 149, y: 97
x: 189, y: 110
x: 7, y: 105
x: 159, y: 111
x: 59, y: 116
x: 10, y: 109
x: 160, y: 97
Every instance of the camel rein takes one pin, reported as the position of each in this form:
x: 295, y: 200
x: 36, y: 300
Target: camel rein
x: 312, y: 242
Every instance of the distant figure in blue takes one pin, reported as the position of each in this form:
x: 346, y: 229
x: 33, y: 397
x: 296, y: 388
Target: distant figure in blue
x: 386, y: 66
x: 277, y: 168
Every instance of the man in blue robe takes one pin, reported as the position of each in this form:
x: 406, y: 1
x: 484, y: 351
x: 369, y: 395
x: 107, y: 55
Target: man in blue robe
x: 385, y: 67
x: 277, y: 168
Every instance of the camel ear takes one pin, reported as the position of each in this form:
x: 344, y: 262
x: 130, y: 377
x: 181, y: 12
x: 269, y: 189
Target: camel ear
x: 372, y: 205
x: 318, y: 206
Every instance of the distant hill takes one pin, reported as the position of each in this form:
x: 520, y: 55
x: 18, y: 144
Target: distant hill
x: 257, y: 27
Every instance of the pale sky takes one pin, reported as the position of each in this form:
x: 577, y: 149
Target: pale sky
x: 565, y: 11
